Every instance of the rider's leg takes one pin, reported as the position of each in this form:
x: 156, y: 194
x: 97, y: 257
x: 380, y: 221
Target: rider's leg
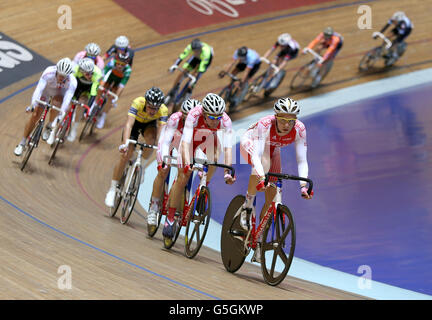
x: 117, y: 174
x: 109, y: 105
x: 55, y: 118
x: 28, y: 128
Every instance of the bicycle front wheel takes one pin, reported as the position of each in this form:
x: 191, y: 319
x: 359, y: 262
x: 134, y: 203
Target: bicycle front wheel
x: 34, y: 139
x: 118, y: 196
x: 232, y: 240
x: 274, y: 83
x: 59, y: 140
x: 131, y: 195
x: 197, y: 224
x: 302, y: 79
x: 278, y: 245
x: 369, y: 59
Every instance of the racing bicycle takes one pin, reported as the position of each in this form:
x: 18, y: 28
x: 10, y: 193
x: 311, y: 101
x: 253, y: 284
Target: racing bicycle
x: 128, y: 186
x: 278, y: 232
x: 176, y: 95
x: 268, y: 81
x: 233, y: 95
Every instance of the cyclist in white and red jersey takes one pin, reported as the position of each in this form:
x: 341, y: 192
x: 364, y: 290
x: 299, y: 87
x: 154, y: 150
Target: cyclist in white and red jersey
x: 200, y: 137
x: 169, y: 140
x: 260, y: 146
x: 92, y: 51
x: 57, y: 82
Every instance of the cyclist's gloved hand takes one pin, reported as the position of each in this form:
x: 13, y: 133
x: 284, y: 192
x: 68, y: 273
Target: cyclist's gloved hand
x: 304, y: 50
x: 305, y: 194
x: 221, y: 74
x: 172, y: 68
x: 229, y: 179
x: 123, y: 148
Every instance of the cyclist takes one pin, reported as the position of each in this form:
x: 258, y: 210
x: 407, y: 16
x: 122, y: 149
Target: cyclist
x: 289, y: 49
x: 116, y: 74
x: 88, y: 76
x: 201, y: 56
x: 260, y: 146
x: 244, y: 58
x: 92, y: 51
x: 57, y: 82
x: 330, y: 40
x: 121, y: 45
x: 169, y: 139
x: 402, y: 28
x: 200, y: 138
x: 147, y: 115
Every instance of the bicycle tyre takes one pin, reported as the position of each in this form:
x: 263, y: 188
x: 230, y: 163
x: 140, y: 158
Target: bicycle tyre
x: 369, y: 59
x: 200, y: 216
x: 279, y: 79
x: 131, y: 196
x: 301, y: 77
x: 118, y: 196
x: 61, y: 136
x: 283, y: 226
x: 32, y: 144
x: 168, y: 243
x: 87, y: 124
x: 184, y: 95
x: 232, y: 249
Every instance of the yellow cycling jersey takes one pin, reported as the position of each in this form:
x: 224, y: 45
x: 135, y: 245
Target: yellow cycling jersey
x: 137, y: 111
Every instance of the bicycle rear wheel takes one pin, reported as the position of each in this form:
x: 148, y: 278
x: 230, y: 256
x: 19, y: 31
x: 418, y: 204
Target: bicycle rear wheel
x: 131, y: 195
x: 34, y: 139
x: 232, y: 247
x: 59, y: 139
x: 88, y: 124
x: 278, y: 245
x: 197, y: 224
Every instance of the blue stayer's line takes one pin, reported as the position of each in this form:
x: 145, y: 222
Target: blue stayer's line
x: 337, y: 6
x: 105, y: 252
x: 17, y: 92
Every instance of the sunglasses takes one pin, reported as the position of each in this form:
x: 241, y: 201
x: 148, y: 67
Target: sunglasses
x: 214, y: 117
x: 285, y: 119
x: 91, y: 57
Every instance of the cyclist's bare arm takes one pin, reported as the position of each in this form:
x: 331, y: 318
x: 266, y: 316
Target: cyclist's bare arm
x: 128, y: 128
x: 269, y: 52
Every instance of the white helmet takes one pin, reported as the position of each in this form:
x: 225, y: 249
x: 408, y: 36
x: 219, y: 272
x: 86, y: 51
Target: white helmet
x: 92, y: 49
x: 189, y: 104
x: 86, y: 64
x: 284, y: 39
x: 398, y: 16
x: 122, y: 42
x: 286, y: 105
x: 64, y: 67
x: 213, y: 104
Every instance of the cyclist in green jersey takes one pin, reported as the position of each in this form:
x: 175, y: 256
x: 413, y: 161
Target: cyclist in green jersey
x: 88, y: 76
x: 200, y: 57
x: 116, y: 74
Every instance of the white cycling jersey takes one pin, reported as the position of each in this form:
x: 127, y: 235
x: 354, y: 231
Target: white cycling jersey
x: 48, y: 86
x: 262, y: 144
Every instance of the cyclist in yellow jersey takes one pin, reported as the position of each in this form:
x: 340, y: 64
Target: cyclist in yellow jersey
x: 147, y: 116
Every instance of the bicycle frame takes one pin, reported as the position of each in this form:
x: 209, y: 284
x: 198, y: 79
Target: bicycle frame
x: 190, y: 82
x: 102, y: 100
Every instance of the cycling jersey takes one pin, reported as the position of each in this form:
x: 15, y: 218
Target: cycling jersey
x: 252, y: 58
x: 205, y: 56
x: 83, y: 54
x: 261, y: 143
x: 333, y: 44
x: 137, y: 110
x: 289, y: 51
x: 88, y: 85
x: 119, y: 76
x: 402, y: 30
x: 49, y: 87
x: 170, y: 136
x: 112, y: 51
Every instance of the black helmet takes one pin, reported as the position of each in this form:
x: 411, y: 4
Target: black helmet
x: 155, y: 96
x: 196, y: 44
x: 242, y: 52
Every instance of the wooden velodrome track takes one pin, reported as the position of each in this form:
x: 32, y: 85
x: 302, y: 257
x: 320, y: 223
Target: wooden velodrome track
x: 55, y: 215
